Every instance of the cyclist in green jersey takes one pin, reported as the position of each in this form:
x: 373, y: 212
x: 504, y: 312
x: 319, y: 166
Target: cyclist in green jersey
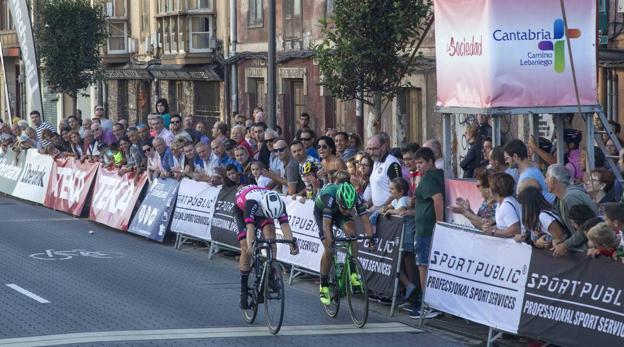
x: 334, y: 205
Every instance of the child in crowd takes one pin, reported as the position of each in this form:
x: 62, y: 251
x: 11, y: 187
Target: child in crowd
x: 614, y: 217
x: 308, y: 170
x: 602, y: 241
x: 399, y: 190
x: 257, y: 167
x: 341, y: 176
x: 351, y: 168
x: 232, y: 176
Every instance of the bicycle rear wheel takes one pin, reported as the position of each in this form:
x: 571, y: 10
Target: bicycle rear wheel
x: 357, y: 295
x: 274, y: 297
x: 252, y: 294
x: 334, y: 292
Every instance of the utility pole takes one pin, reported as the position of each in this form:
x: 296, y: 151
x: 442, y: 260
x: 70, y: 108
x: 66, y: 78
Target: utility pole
x: 234, y: 68
x: 271, y: 67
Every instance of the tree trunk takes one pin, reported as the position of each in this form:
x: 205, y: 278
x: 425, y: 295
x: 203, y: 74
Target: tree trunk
x: 374, y: 115
x: 74, y: 104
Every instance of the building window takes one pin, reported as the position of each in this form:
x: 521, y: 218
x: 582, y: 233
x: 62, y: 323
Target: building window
x: 292, y: 19
x: 207, y: 99
x: 166, y: 36
x: 200, y: 33
x: 255, y: 13
x: 173, y: 35
x: 205, y: 5
x: 168, y: 6
x: 6, y: 19
x: 118, y: 38
x: 145, y: 16
x: 116, y: 8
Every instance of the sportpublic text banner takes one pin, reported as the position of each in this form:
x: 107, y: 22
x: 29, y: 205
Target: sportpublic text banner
x: 477, y: 277
x: 152, y: 219
x: 69, y: 185
x: 574, y: 300
x: 114, y: 197
x: 304, y: 228
x: 509, y: 53
x: 194, y: 209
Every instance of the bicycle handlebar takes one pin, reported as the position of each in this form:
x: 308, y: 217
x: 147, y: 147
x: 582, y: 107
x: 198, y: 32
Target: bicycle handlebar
x: 352, y: 238
x: 261, y: 240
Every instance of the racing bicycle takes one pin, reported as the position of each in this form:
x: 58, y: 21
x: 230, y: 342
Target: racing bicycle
x: 267, y: 286
x: 343, y: 278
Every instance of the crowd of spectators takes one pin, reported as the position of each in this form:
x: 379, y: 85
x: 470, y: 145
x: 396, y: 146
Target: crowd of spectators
x: 527, y: 196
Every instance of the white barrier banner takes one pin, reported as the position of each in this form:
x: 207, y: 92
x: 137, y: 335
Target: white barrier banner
x: 477, y: 277
x: 33, y: 182
x: 301, y: 220
x: 194, y: 209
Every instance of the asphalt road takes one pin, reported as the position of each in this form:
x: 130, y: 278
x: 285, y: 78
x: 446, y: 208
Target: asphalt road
x: 62, y: 285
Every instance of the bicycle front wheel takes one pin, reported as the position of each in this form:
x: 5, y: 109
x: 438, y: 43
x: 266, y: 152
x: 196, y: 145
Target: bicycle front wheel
x: 274, y: 296
x: 334, y: 292
x: 357, y: 294
x: 252, y: 295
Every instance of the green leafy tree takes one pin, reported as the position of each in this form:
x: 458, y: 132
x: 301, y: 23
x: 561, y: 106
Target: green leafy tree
x: 367, y: 48
x: 70, y: 36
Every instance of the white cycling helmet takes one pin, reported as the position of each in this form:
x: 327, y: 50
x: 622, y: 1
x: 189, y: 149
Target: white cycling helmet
x: 272, y: 205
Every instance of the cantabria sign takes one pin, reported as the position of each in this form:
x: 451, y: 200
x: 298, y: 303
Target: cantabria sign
x: 509, y: 53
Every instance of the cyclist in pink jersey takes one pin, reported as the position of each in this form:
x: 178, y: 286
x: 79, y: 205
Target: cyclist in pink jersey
x: 257, y: 208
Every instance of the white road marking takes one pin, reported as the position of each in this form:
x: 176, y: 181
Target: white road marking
x: 34, y: 220
x: 27, y: 293
x: 225, y: 332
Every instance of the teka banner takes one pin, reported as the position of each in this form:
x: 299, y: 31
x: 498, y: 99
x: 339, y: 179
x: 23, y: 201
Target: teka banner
x: 23, y: 28
x: 154, y: 215
x: 69, y: 185
x: 33, y: 182
x: 114, y: 197
x: 509, y: 53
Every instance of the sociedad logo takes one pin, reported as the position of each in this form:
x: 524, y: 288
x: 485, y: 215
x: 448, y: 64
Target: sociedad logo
x: 551, y: 45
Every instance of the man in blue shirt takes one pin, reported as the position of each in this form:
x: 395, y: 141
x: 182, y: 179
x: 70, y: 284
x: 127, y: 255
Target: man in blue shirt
x: 166, y: 157
x: 516, y: 154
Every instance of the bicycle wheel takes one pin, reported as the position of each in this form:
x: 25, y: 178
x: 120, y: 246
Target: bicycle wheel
x: 334, y: 292
x: 357, y: 295
x: 252, y: 294
x: 274, y: 297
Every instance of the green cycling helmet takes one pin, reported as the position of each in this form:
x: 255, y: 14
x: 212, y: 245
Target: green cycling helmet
x: 346, y: 196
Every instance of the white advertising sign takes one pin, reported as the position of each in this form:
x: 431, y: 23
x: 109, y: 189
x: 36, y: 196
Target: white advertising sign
x: 194, y: 209
x: 477, y: 277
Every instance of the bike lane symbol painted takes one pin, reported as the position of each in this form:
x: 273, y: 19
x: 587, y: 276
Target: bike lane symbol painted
x: 51, y: 254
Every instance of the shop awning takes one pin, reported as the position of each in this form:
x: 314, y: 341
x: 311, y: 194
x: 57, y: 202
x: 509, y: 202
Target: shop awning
x: 208, y: 72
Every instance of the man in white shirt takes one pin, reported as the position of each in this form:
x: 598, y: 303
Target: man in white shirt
x: 386, y: 167
x: 158, y: 126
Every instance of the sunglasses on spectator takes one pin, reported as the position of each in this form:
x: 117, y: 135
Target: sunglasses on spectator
x: 269, y: 140
x: 322, y: 147
x: 175, y: 122
x: 306, y: 138
x: 145, y: 150
x: 279, y: 150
